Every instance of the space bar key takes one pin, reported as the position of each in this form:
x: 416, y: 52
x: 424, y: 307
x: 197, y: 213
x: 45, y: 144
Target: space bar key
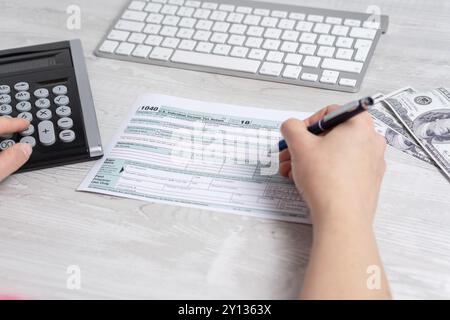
x: 216, y: 61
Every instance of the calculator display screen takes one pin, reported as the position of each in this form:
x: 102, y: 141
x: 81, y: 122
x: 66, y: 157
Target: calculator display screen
x: 30, y: 64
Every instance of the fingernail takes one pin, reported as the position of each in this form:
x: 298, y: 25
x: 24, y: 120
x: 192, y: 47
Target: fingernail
x: 26, y: 148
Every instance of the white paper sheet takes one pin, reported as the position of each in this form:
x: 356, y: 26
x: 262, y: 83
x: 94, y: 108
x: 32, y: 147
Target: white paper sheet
x: 199, y: 154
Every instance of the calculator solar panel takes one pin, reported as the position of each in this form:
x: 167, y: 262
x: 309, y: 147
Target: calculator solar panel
x: 48, y: 85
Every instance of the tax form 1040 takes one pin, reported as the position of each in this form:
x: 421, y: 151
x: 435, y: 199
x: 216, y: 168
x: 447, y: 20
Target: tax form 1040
x: 199, y: 154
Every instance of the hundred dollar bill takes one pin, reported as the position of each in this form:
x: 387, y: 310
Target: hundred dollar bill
x: 393, y: 137
x: 427, y: 118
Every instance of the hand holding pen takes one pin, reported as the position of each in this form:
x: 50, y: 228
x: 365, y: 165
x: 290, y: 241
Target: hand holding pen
x: 334, y: 118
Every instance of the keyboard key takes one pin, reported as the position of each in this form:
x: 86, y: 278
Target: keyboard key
x: 304, y: 26
x: 44, y: 114
x: 297, y: 16
x: 4, y: 89
x: 238, y: 29
x: 222, y: 49
x: 292, y: 72
x: 151, y: 28
x: 171, y: 21
x: 255, y: 31
x: 240, y: 52
x: 137, y: 5
x: 21, y: 86
x: 322, y: 28
x: 130, y: 25
x: 363, y: 33
x: 342, y: 65
x: 252, y: 20
x: 134, y: 15
x: 270, y: 44
x: 219, y: 37
x: 59, y: 90
x: 325, y: 51
x: 257, y: 54
x: 65, y: 123
x: 5, y: 109
x: 61, y: 100
x: 154, y: 40
x: 311, y: 61
x: 5, y: 99
x: 23, y: 106
x: 269, y: 22
x: 187, y: 23
x: 340, y: 31
x: 29, y: 140
x: 347, y: 82
x: 361, y: 43
x: 309, y: 49
x: 329, y: 76
x: 153, y: 7
x: 141, y: 51
x: 279, y: 14
x: 261, y: 12
x: 289, y: 46
x: 253, y: 42
x: 290, y: 35
x: 137, y: 37
x: 168, y: 31
x: 326, y: 40
x: 236, y: 40
x: 271, y: 69
x: 221, y: 26
x: 25, y: 115
x: 294, y: 59
x: 210, y: 60
x: 187, y: 45
x: 21, y: 96
x: 275, y: 56
x: 118, y: 35
x: 333, y: 20
x: 67, y: 136
x: 42, y: 103
x: 307, y: 37
x: 345, y: 54
x: 314, y: 18
x: 352, y: 22
x: 309, y: 76
x: 5, y: 144
x: 170, y: 42
x: 286, y: 24
x: 235, y: 17
x: 246, y: 10
x: 344, y: 42
x: 204, y: 47
x: 28, y: 131
x: 361, y: 54
x: 272, y: 33
x: 161, y: 54
x: 63, y: 111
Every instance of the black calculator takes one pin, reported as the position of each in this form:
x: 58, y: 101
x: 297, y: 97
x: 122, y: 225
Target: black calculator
x: 48, y: 85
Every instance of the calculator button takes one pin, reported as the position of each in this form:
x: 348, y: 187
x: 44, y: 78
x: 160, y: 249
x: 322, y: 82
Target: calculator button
x: 46, y: 133
x: 41, y: 93
x: 21, y: 86
x: 5, y: 99
x: 5, y: 109
x: 63, y: 111
x: 25, y: 115
x: 5, y: 144
x: 62, y: 100
x: 44, y: 114
x: 23, y: 96
x: 58, y: 90
x: 23, y: 106
x: 29, y: 140
x: 67, y: 136
x: 29, y: 131
x: 65, y: 123
x: 5, y: 89
x: 42, y: 103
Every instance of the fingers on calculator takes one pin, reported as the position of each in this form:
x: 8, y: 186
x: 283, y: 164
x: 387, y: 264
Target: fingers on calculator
x: 12, y: 158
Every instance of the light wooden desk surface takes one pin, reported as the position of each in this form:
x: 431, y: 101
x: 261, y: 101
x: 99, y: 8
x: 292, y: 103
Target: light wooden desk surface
x: 135, y: 249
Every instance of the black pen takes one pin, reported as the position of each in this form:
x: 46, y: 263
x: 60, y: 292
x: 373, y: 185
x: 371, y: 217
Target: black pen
x: 335, y: 118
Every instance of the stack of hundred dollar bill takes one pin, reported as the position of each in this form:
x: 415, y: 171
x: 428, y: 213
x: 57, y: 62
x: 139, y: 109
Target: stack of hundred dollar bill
x: 417, y: 123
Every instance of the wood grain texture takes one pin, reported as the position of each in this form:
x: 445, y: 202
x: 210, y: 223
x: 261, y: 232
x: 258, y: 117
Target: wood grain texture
x: 133, y: 249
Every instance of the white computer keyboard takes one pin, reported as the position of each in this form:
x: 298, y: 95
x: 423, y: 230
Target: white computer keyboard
x: 266, y: 41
